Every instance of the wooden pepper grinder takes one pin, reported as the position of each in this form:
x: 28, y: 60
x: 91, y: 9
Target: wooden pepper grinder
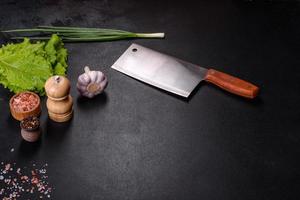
x: 59, y: 102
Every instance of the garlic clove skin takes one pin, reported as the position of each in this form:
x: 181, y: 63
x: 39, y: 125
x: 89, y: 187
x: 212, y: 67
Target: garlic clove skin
x: 103, y: 83
x: 91, y: 83
x: 100, y: 77
x: 84, y: 79
x: 90, y: 95
x: 81, y: 88
x: 93, y: 75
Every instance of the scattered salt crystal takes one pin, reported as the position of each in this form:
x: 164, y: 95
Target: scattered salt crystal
x: 7, y: 181
x: 24, y: 178
x: 18, y: 184
x: 34, y: 180
x: 33, y: 173
x: 7, y: 166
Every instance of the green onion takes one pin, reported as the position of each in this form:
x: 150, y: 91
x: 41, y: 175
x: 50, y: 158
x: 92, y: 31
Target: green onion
x: 77, y: 34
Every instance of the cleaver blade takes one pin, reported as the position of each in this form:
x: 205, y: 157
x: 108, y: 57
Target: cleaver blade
x: 175, y: 75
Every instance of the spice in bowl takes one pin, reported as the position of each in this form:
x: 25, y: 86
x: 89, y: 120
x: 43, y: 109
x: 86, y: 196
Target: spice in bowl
x: 30, y: 129
x: 25, y: 104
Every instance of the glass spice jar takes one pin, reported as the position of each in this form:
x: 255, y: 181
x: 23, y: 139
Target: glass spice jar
x: 30, y: 129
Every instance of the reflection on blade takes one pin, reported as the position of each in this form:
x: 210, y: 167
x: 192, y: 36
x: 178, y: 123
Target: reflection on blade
x: 160, y: 70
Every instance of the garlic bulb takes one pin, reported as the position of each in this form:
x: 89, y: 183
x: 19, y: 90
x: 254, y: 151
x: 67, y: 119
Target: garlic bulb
x: 91, y: 83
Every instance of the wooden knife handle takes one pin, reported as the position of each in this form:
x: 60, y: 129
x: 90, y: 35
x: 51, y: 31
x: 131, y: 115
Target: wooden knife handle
x: 232, y: 84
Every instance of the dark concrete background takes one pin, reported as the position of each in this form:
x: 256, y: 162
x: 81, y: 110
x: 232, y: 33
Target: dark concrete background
x: 137, y: 142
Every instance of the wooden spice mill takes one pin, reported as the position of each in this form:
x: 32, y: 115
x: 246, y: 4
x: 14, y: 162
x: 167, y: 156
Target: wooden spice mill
x: 59, y: 102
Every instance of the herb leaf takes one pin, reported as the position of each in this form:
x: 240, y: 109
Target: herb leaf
x: 27, y: 66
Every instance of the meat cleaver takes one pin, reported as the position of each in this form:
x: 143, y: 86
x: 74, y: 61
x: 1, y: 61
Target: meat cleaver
x: 175, y: 75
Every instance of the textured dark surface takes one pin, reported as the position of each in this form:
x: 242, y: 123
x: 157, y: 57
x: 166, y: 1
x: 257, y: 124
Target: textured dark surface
x: 137, y: 142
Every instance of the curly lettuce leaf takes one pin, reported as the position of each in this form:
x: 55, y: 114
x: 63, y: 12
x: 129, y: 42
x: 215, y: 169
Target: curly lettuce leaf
x: 27, y: 66
x: 57, y: 55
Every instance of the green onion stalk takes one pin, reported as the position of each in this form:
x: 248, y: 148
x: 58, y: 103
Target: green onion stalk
x: 77, y: 34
